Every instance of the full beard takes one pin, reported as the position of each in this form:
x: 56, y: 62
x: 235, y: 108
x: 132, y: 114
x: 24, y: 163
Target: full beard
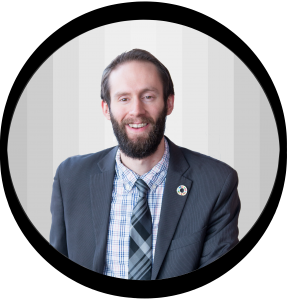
x: 145, y: 144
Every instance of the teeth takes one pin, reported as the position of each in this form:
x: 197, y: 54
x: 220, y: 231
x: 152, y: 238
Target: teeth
x: 138, y: 125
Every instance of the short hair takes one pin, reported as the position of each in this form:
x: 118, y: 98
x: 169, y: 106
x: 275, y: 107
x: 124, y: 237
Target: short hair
x: 136, y: 55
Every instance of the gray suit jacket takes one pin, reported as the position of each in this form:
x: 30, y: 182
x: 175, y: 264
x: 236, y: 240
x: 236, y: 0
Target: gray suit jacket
x: 194, y: 229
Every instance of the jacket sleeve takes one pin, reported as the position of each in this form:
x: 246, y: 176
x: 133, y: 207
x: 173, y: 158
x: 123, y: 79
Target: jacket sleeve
x: 58, y: 228
x: 222, y: 231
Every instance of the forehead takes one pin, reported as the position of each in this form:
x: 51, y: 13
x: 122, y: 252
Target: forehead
x: 134, y: 76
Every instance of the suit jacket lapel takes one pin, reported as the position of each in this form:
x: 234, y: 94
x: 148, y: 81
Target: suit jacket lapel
x: 101, y: 187
x: 172, y: 204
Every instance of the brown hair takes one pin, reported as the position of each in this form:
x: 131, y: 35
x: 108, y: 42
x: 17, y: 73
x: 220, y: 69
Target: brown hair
x: 138, y: 55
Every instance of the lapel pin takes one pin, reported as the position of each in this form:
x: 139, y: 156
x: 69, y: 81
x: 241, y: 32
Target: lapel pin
x: 182, y: 190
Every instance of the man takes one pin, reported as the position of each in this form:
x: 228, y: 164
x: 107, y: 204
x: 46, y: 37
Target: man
x: 145, y: 209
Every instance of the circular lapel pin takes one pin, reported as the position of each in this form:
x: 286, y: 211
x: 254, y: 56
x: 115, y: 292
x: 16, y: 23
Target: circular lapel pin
x: 182, y: 190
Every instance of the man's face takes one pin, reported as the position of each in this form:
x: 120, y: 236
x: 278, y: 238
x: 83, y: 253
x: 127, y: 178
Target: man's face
x: 137, y: 109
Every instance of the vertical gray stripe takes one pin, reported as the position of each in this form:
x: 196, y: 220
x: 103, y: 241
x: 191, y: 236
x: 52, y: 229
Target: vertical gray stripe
x: 100, y: 119
x: 247, y: 144
x: 99, y: 66
x: 40, y: 147
x: 214, y: 109
x: 91, y: 66
x: 187, y: 47
x: 269, y: 150
x: 17, y: 150
x: 65, y: 102
x: 220, y: 102
x: 195, y: 90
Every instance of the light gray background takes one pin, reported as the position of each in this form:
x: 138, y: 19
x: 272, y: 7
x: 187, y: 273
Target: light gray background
x: 220, y: 110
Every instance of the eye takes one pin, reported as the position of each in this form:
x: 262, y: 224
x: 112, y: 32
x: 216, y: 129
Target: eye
x: 148, y: 97
x: 124, y: 99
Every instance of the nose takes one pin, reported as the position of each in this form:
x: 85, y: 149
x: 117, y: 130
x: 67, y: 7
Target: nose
x: 137, y: 107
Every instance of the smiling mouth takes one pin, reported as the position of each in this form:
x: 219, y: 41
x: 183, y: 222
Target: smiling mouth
x: 137, y: 127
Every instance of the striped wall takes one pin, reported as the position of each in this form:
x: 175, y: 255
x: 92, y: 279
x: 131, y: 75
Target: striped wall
x: 220, y: 110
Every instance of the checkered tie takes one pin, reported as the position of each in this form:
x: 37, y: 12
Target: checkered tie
x: 140, y: 254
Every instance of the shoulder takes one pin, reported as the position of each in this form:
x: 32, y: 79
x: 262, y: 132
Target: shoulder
x: 207, y: 166
x: 82, y: 163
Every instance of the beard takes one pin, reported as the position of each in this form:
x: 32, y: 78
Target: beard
x: 145, y: 144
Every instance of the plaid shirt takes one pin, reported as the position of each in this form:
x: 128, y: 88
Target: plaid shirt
x: 124, y: 198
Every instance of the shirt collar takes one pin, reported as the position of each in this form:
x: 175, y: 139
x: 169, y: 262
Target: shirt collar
x: 152, y: 178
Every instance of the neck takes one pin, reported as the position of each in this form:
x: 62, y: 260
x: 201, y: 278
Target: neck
x: 142, y: 166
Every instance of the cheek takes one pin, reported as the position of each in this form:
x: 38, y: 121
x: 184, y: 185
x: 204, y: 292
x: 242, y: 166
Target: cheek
x: 118, y: 113
x: 158, y: 112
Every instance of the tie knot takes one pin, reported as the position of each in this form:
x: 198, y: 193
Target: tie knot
x: 142, y: 187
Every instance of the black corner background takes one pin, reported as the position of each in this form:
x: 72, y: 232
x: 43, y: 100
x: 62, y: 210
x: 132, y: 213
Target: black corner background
x: 258, y: 44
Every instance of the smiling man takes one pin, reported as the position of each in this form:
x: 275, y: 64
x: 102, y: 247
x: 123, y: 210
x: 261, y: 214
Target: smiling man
x: 146, y: 209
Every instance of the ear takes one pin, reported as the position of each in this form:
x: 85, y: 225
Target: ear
x: 170, y: 104
x: 105, y: 109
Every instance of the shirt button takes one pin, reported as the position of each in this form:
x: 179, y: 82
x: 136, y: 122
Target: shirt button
x: 154, y: 186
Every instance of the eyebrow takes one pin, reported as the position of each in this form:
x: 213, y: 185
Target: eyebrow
x: 148, y: 89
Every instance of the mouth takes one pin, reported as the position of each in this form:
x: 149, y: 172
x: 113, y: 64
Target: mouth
x: 137, y: 127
